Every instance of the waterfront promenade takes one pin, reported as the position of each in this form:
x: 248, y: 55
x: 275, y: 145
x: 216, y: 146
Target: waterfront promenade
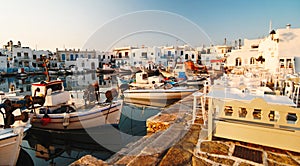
x: 173, y: 139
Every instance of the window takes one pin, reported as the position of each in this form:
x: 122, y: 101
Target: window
x: 169, y: 53
x: 186, y: 56
x: 103, y: 57
x: 18, y: 54
x: 144, y: 54
x: 82, y: 64
x: 26, y: 55
x: 133, y: 54
x: 63, y: 57
x: 71, y: 57
x: 252, y: 60
x: 126, y: 55
x: 111, y: 56
x: 34, y: 56
x: 289, y: 63
x: 281, y: 61
x: 76, y: 56
x: 120, y: 55
x: 193, y: 56
x: 238, y: 61
x: 181, y: 52
x: 89, y: 56
x: 93, y: 66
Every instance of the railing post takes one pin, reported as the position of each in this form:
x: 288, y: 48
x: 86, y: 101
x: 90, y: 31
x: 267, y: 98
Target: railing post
x: 210, y: 119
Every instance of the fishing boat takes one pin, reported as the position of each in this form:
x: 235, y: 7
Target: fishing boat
x: 156, y: 97
x: 106, y: 69
x: 60, y: 111
x: 153, y: 92
x: 11, y: 132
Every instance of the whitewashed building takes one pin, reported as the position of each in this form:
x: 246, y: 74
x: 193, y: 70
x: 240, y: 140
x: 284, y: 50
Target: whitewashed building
x: 82, y: 60
x: 245, y: 56
x: 211, y: 56
x: 173, y: 54
x: 123, y: 55
x: 145, y: 56
x: 281, y: 50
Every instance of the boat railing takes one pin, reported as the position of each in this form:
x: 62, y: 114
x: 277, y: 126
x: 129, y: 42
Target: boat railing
x: 256, y: 122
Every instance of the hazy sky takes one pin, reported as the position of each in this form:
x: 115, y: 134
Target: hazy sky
x: 50, y: 24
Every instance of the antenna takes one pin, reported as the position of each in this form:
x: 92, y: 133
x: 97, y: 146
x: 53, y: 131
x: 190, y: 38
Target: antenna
x: 270, y: 26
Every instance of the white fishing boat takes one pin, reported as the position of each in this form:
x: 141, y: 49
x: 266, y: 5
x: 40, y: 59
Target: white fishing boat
x: 156, y: 97
x: 153, y: 92
x: 59, y: 111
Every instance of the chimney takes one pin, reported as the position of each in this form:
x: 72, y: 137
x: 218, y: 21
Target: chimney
x: 240, y: 43
x: 225, y: 41
x: 288, y: 26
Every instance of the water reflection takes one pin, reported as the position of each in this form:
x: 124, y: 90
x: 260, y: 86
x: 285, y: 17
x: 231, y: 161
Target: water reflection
x: 61, y: 147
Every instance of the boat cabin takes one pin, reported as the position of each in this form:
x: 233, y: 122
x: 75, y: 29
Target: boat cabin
x: 143, y: 78
x: 53, y: 91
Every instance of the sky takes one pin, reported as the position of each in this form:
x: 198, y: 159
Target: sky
x: 105, y: 24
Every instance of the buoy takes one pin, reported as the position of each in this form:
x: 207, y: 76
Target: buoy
x: 66, y: 120
x: 45, y: 120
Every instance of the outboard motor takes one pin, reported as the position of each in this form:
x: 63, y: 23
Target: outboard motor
x: 9, y: 117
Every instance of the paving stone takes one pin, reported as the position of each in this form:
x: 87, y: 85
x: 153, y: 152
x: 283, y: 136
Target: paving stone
x: 283, y: 159
x: 245, y: 164
x: 176, y: 156
x: 220, y: 160
x: 125, y: 160
x: 199, y: 162
x: 273, y: 163
x: 89, y: 160
x: 144, y: 161
x: 214, y: 147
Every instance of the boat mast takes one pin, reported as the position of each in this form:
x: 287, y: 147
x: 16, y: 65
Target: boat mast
x: 45, y: 62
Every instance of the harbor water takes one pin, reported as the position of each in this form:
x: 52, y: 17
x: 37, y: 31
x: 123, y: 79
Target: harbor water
x: 53, y: 147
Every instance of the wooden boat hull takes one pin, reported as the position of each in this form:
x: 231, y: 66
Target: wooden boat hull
x: 156, y: 97
x: 94, y: 117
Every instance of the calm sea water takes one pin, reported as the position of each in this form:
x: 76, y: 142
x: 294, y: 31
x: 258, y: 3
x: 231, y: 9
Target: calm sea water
x: 50, y: 147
